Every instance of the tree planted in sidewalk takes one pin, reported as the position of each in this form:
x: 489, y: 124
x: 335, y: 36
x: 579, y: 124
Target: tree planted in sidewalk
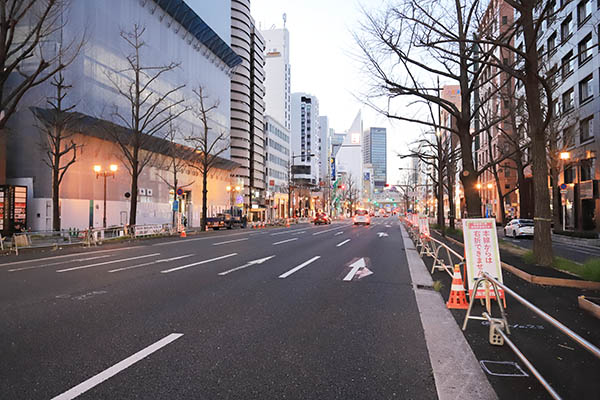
x: 209, y: 143
x: 410, y: 42
x: 148, y: 112
x: 28, y: 31
x: 57, y: 140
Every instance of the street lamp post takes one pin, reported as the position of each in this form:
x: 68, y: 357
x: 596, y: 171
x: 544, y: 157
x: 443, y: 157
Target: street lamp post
x: 105, y: 173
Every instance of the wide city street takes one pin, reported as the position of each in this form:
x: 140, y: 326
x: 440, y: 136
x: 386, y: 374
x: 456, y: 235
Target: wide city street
x: 300, y: 312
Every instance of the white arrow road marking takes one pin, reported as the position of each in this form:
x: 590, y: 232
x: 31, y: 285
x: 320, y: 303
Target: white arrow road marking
x: 359, y: 269
x: 151, y: 263
x: 342, y: 243
x: 115, y: 369
x: 388, y: 226
x: 299, y: 267
x: 382, y: 234
x: 59, y: 263
x: 339, y: 233
x: 166, y: 271
x: 230, y: 241
x: 107, y: 262
x: 355, y: 266
x: 284, y: 241
x: 249, y: 264
x: 299, y: 233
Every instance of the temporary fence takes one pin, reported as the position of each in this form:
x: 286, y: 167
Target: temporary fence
x: 499, y: 328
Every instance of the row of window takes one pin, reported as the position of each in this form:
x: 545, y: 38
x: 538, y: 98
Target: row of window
x: 586, y: 171
x: 277, y: 160
x: 273, y: 173
x: 279, y: 147
x: 586, y: 132
x: 277, y: 132
x: 586, y: 92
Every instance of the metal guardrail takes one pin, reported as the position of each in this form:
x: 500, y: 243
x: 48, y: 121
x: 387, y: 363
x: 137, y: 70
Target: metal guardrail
x: 499, y: 327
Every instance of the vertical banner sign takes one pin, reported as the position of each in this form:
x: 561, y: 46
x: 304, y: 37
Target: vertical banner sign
x: 481, y: 252
x: 333, y: 168
x: 424, y: 225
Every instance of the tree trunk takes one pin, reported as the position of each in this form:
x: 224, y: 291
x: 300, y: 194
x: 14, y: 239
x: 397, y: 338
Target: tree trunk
x: 542, y: 239
x: 134, y: 197
x: 469, y: 175
x: 440, y: 205
x: 204, y: 199
x: 55, y: 200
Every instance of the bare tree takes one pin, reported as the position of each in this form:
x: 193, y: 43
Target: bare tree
x: 208, y: 145
x: 147, y: 113
x: 417, y: 39
x: 28, y: 31
x: 350, y: 192
x: 177, y: 157
x: 56, y: 140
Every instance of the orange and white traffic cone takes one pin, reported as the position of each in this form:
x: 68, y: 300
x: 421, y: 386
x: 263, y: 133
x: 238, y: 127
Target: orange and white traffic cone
x: 287, y: 223
x: 457, y: 292
x: 182, y: 234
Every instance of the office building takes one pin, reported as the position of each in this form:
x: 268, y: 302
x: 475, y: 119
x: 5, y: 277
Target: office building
x: 248, y: 108
x: 278, y: 101
x: 375, y: 153
x: 305, y: 139
x: 278, y: 168
x: 174, y: 32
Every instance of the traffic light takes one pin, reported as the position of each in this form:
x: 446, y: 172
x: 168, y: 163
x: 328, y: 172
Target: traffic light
x: 343, y: 187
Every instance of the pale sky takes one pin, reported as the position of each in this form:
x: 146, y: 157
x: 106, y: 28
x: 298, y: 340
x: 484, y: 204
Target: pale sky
x: 321, y: 49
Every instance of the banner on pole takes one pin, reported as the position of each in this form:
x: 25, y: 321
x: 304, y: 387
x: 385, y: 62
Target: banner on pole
x: 481, y: 252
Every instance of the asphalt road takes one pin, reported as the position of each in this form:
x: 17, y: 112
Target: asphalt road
x: 572, y: 250
x: 275, y: 313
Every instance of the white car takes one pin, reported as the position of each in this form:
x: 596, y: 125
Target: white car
x: 519, y: 227
x: 362, y: 217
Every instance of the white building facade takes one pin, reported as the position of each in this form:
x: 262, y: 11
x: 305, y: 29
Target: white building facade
x: 174, y: 33
x: 305, y: 139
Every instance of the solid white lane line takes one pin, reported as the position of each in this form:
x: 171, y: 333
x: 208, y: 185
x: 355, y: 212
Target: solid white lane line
x: 284, y: 241
x: 299, y: 267
x: 166, y: 271
x: 342, y: 243
x: 69, y: 255
x: 339, y: 233
x: 202, y: 238
x: 229, y: 241
x: 329, y: 230
x: 107, y: 262
x: 251, y: 263
x: 284, y: 232
x: 151, y: 263
x: 115, y: 369
x: 59, y: 263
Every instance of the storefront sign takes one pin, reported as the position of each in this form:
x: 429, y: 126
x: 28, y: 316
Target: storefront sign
x: 481, y: 252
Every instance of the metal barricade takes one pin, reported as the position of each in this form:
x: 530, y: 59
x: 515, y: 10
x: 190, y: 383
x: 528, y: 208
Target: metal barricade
x: 499, y: 328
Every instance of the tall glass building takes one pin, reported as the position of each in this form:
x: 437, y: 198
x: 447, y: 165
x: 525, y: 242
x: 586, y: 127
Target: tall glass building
x: 375, y: 153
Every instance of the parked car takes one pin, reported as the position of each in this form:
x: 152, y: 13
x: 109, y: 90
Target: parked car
x: 362, y: 217
x: 321, y: 218
x: 519, y: 227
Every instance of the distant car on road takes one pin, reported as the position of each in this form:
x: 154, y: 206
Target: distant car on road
x: 321, y: 218
x: 519, y: 227
x: 362, y: 217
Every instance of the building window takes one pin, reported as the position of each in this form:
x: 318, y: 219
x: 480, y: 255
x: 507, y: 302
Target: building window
x: 586, y: 90
x: 567, y: 64
x: 585, y: 49
x: 566, y: 28
x: 553, y: 76
x: 568, y: 138
x: 584, y: 11
x: 504, y: 20
x: 552, y: 43
x: 586, y: 129
x: 587, y: 169
x: 569, y: 174
x: 568, y: 100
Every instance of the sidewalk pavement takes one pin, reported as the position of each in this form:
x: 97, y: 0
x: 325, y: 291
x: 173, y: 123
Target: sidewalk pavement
x: 456, y: 370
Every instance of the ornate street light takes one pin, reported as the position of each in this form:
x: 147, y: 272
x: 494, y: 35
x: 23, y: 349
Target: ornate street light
x: 112, y: 169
